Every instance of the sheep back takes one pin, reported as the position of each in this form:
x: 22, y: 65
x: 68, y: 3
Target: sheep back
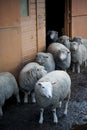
x: 29, y: 74
x: 8, y: 86
x: 46, y: 60
x: 64, y: 39
x: 56, y: 49
x: 79, y: 55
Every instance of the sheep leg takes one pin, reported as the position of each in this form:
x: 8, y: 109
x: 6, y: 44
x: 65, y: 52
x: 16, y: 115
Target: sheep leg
x: 55, y: 119
x: 60, y: 104
x: 85, y: 63
x: 26, y: 97
x: 78, y: 68
x: 66, y: 104
x: 33, y: 97
x: 73, y: 67
x: 18, y: 98
x: 1, y: 112
x: 41, y: 116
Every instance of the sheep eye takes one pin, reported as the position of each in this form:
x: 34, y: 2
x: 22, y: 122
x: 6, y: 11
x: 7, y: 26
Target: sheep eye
x: 39, y: 84
x: 37, y: 69
x: 42, y: 86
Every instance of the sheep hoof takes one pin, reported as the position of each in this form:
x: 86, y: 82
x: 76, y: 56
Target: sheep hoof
x: 55, y: 120
x: 25, y: 101
x: 33, y: 101
x: 65, y: 113
x: 40, y: 122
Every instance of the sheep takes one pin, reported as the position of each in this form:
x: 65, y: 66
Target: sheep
x: 8, y: 87
x: 78, y: 56
x: 84, y: 42
x: 51, y: 37
x: 64, y: 39
x: 28, y: 76
x: 61, y: 54
x: 77, y: 39
x: 51, y: 90
x: 80, y: 40
x: 46, y: 60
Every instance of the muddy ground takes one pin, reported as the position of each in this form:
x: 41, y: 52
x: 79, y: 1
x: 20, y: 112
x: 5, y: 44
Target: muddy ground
x: 26, y: 116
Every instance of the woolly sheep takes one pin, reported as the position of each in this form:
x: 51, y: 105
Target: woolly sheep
x: 64, y: 39
x: 28, y: 76
x: 78, y: 56
x: 51, y: 37
x: 77, y: 39
x: 8, y: 87
x: 84, y: 42
x: 61, y: 54
x: 46, y: 60
x: 51, y: 90
x: 80, y: 40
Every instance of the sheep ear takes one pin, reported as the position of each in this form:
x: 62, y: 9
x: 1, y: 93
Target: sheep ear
x: 53, y: 82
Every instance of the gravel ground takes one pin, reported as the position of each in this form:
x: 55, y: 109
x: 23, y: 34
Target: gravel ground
x: 26, y: 116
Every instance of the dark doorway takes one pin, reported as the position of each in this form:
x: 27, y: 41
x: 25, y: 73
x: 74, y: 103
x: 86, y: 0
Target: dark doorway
x: 55, y: 15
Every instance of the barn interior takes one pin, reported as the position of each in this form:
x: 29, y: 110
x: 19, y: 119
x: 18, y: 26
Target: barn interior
x: 55, y: 16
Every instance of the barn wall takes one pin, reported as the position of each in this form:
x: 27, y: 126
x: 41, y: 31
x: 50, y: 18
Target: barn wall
x: 28, y: 32
x: 79, y: 18
x: 41, y: 25
x: 33, y: 30
x: 21, y: 37
x: 10, y: 37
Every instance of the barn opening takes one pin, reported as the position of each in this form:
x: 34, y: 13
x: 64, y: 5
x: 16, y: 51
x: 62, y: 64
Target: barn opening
x: 55, y: 15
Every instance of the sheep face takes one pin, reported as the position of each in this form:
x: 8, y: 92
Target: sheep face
x: 65, y: 41
x: 62, y: 54
x: 77, y: 39
x: 45, y: 89
x: 40, y: 72
x: 53, y: 35
x: 74, y: 46
x: 41, y: 59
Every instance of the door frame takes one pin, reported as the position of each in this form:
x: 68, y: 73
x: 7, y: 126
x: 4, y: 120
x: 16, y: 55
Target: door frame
x: 67, y: 18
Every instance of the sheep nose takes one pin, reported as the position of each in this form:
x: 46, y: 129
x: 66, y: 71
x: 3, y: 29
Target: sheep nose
x: 49, y: 96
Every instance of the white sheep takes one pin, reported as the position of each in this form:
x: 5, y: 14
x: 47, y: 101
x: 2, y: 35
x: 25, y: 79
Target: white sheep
x: 80, y: 40
x: 77, y: 39
x: 61, y: 54
x: 51, y: 90
x: 78, y: 56
x: 84, y: 42
x: 8, y: 87
x: 28, y: 76
x: 46, y: 60
x: 64, y: 39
